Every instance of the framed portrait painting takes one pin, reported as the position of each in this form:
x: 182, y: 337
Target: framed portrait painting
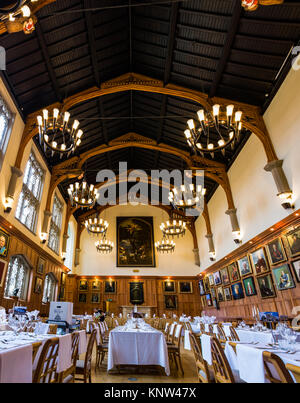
x: 237, y: 291
x: 296, y: 267
x: 169, y: 287
x: 63, y: 278
x: 201, y: 287
x: 249, y: 286
x: 4, y: 243
x: 208, y: 300
x: 227, y: 293
x: 170, y: 301
x: 244, y: 266
x: 283, y: 278
x: 217, y: 278
x: 96, y: 285
x: 38, y: 285
x: 266, y: 287
x: 61, y: 294
x: 41, y: 266
x: 220, y: 294
x: 3, y: 267
x: 276, y: 252
x: 211, y: 280
x: 135, y: 242
x: 233, y: 272
x: 185, y: 287
x: 95, y: 298
x: 82, y: 298
x: 260, y: 262
x: 110, y: 287
x: 213, y: 293
x: 83, y: 285
x: 225, y: 276
x: 293, y: 240
x: 206, y: 284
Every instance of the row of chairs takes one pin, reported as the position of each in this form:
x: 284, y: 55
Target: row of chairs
x: 173, y: 335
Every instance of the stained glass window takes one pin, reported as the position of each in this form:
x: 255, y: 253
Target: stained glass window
x: 49, y: 288
x: 30, y: 197
x: 55, y: 225
x: 17, y: 278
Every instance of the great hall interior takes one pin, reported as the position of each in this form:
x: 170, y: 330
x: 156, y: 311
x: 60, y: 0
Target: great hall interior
x: 149, y: 191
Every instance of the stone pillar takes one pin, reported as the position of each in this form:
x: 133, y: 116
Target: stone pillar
x: 233, y: 219
x: 47, y: 215
x: 275, y: 167
x: 15, y: 174
x: 211, y: 245
x: 197, y: 257
x: 64, y: 244
x: 77, y: 256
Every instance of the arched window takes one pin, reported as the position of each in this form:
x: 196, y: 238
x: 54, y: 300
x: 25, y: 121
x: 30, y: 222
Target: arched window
x: 55, y: 225
x: 17, y: 279
x: 6, y: 121
x: 70, y: 246
x: 49, y: 288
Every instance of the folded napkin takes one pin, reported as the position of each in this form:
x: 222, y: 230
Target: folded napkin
x: 42, y: 328
x: 82, y: 342
x: 64, y: 353
x: 16, y: 365
x: 250, y: 364
x: 206, y: 348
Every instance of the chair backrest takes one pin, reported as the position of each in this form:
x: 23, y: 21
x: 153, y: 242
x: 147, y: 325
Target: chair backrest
x: 295, y: 371
x: 222, y: 370
x: 116, y: 323
x: 75, y: 347
x: 202, y: 367
x: 221, y: 334
x: 188, y: 326
x: 177, y: 335
x: 89, y: 351
x: 167, y: 328
x: 46, y: 370
x: 275, y: 369
x: 211, y: 330
x: 35, y: 349
x: 171, y: 332
x: 233, y: 334
x: 202, y: 328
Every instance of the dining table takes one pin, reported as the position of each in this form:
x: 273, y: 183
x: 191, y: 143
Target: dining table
x: 137, y: 346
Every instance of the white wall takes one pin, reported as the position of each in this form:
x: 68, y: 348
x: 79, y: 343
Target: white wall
x: 253, y: 188
x: 178, y: 264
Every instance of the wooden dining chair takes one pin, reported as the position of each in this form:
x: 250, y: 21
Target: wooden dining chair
x: 174, y: 349
x: 166, y: 329
x: 35, y: 349
x: 102, y: 349
x: 202, y: 328
x: 295, y: 371
x: 221, y: 367
x: 170, y: 339
x: 203, y: 372
x: 46, y: 369
x: 221, y: 334
x: 52, y: 329
x: 68, y: 376
x: 210, y: 331
x: 233, y: 334
x: 188, y: 326
x: 84, y: 367
x: 275, y: 369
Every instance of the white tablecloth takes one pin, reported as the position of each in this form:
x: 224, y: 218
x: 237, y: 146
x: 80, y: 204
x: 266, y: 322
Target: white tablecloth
x: 249, y: 336
x: 248, y: 361
x: 137, y: 347
x: 16, y: 365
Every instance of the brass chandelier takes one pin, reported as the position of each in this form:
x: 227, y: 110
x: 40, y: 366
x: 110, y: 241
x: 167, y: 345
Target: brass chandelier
x: 104, y: 246
x: 82, y: 195
x: 165, y: 246
x: 17, y: 16
x: 173, y: 228
x: 96, y: 226
x: 57, y: 134
x: 185, y: 197
x: 214, y: 131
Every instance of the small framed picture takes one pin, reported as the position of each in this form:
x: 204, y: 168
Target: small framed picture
x: 220, y: 294
x: 206, y: 284
x: 63, y: 278
x: 244, y: 266
x: 211, y: 280
x: 233, y: 272
x: 4, y: 243
x: 266, y: 287
x: 208, y: 300
x: 225, y: 276
x: 283, y: 278
x: 201, y: 287
x: 217, y: 278
x: 260, y: 262
x: 295, y: 264
x: 61, y: 293
x: 276, y: 252
x: 185, y: 287
x: 213, y: 293
x: 110, y: 287
x: 170, y: 301
x: 83, y: 285
x: 216, y: 303
x: 82, y: 298
x: 237, y: 291
x: 249, y: 286
x: 169, y: 286
x: 95, y: 298
x: 40, y: 269
x: 227, y: 293
x: 293, y: 240
x: 96, y: 285
x: 38, y: 286
x: 3, y: 267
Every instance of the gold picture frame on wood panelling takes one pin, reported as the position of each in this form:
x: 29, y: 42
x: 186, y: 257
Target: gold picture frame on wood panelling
x: 38, y: 285
x: 259, y: 261
x: 83, y: 286
x: 110, y: 287
x: 96, y: 285
x: 169, y: 287
x: 4, y: 243
x: 41, y: 265
x: 185, y: 287
x: 95, y: 298
x: 266, y: 286
x: 293, y: 241
x: 170, y: 301
x: 3, y: 268
x: 244, y: 265
x: 276, y: 252
x: 233, y: 272
x: 82, y: 298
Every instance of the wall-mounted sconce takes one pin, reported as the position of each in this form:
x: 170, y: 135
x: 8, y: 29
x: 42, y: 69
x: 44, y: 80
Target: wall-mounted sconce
x: 8, y: 204
x: 212, y: 256
x: 44, y: 237
x: 237, y: 237
x: 63, y: 256
x: 286, y: 199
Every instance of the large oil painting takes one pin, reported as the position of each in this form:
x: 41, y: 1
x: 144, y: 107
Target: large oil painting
x: 135, y: 242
